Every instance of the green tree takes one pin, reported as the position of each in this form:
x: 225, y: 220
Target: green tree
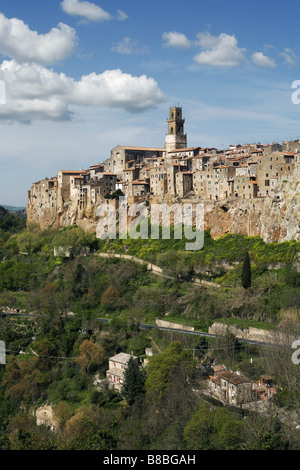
x: 91, y: 354
x: 161, y: 369
x: 198, y: 430
x: 213, y: 430
x: 110, y: 297
x: 246, y: 272
x: 134, y: 384
x: 228, y: 430
x: 28, y: 242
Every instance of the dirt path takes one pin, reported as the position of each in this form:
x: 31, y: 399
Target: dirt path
x: 153, y: 268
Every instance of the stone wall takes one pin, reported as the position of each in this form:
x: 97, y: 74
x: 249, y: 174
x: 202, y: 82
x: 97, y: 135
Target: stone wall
x: 251, y: 334
x: 167, y: 324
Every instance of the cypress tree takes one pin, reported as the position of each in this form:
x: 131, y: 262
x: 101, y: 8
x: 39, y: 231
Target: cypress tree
x: 134, y: 382
x: 246, y: 272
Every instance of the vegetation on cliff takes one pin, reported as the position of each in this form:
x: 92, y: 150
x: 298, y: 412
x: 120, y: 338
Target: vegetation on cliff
x: 58, y: 276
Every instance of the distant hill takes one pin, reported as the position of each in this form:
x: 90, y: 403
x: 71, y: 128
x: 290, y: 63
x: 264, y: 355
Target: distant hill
x: 12, y: 222
x: 13, y: 208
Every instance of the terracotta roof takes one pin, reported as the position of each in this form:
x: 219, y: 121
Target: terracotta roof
x: 139, y: 182
x: 183, y: 150
x: 147, y: 149
x: 233, y: 378
x: 75, y: 172
x: 216, y: 380
x: 219, y: 368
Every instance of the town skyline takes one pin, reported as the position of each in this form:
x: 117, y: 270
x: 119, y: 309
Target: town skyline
x: 235, y: 86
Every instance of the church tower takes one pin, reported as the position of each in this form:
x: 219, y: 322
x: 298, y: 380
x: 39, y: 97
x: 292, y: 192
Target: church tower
x: 175, y: 139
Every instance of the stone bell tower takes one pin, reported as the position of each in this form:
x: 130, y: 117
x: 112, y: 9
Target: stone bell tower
x: 175, y: 138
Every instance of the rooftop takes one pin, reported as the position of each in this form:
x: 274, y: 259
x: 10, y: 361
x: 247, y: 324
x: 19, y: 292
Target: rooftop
x: 233, y: 378
x: 122, y: 358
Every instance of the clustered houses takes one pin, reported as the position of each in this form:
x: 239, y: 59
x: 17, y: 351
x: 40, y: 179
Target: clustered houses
x: 175, y: 171
x: 234, y: 389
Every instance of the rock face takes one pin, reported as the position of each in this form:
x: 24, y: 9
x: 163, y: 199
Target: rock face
x: 274, y: 218
x: 45, y: 416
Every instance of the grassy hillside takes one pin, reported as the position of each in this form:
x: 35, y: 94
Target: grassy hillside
x: 62, y: 353
x: 80, y: 283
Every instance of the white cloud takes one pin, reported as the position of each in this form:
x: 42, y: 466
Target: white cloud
x: 262, y: 60
x: 86, y: 10
x: 219, y: 51
x: 121, y: 16
x: 289, y: 56
x: 19, y: 42
x: 130, y: 46
x: 177, y: 40
x: 37, y: 93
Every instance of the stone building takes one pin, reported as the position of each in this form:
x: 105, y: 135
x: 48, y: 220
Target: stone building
x: 121, y: 155
x: 175, y: 138
x: 138, y: 188
x: 231, y: 388
x: 247, y: 172
x: 43, y: 193
x: 244, y: 188
x: 102, y: 185
x: 184, y: 183
x: 117, y: 366
x: 280, y: 165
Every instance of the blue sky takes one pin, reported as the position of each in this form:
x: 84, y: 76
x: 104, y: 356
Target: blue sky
x: 82, y: 77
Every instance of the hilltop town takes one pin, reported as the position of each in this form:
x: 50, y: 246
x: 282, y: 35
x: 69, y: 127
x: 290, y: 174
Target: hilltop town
x: 242, y: 186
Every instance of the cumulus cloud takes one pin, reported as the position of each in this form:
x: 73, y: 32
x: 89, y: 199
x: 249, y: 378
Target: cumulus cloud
x: 219, y: 51
x: 129, y: 46
x: 177, y: 40
x: 86, y: 10
x: 262, y: 60
x: 19, y: 42
x: 36, y: 92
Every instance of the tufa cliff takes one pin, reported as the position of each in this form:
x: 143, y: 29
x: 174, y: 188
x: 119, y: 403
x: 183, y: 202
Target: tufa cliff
x: 275, y: 218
